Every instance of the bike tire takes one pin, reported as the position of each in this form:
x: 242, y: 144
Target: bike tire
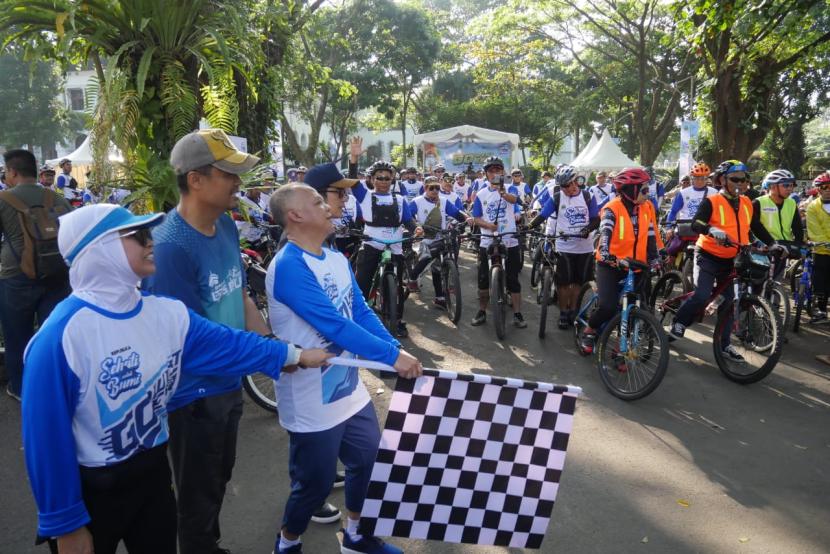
x: 586, y: 302
x: 536, y: 267
x: 452, y: 290
x: 781, y: 303
x: 410, y: 260
x: 546, y: 286
x: 260, y: 388
x: 389, y: 303
x: 751, y: 307
x: 688, y: 272
x: 670, y: 285
x: 795, y: 274
x: 618, y: 369
x: 799, y: 307
x: 498, y: 304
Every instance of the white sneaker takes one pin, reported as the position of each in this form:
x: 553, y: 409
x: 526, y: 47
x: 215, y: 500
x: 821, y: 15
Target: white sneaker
x: 731, y: 353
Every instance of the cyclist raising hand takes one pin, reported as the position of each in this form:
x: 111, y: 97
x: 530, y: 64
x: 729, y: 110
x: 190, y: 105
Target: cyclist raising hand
x: 627, y: 229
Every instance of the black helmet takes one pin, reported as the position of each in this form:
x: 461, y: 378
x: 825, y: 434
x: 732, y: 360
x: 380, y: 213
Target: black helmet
x: 381, y: 166
x: 493, y: 161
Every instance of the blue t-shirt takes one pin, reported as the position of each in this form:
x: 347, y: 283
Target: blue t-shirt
x: 205, y: 273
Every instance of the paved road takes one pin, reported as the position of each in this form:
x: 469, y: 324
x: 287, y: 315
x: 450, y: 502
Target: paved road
x: 702, y: 465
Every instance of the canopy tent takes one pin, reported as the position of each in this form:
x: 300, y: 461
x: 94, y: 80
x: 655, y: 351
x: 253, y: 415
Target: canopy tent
x: 458, y: 148
x: 585, y: 151
x: 605, y: 155
x: 83, y: 155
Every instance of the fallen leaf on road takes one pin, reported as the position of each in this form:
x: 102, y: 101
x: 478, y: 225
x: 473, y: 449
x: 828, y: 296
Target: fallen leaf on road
x: 684, y: 503
x: 762, y: 420
x: 645, y: 540
x: 743, y: 539
x: 800, y: 447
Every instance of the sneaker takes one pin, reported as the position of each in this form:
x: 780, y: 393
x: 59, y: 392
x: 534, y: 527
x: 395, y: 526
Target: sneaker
x: 11, y: 393
x: 676, y: 331
x: 731, y: 353
x: 587, y: 343
x: 479, y: 319
x: 401, y: 332
x: 440, y: 303
x: 819, y: 317
x: 327, y: 513
x: 413, y: 286
x: 564, y: 322
x: 339, y: 480
x: 366, y: 545
x: 296, y: 549
x: 519, y: 320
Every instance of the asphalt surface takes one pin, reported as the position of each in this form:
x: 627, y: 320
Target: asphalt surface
x: 701, y: 465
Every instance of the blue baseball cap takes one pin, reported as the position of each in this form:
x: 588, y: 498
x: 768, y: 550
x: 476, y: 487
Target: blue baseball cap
x: 325, y: 176
x: 82, y: 227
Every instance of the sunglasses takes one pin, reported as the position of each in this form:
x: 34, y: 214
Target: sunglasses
x: 738, y: 179
x: 382, y: 179
x: 644, y: 190
x: 341, y: 193
x: 787, y: 185
x: 432, y: 187
x: 142, y: 236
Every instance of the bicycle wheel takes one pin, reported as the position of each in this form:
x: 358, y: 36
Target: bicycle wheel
x: 260, y: 387
x: 586, y: 304
x: 410, y: 260
x: 545, y: 290
x: 688, y: 273
x: 498, y: 303
x: 536, y: 267
x: 389, y: 302
x: 799, y: 306
x: 780, y: 303
x: 670, y: 285
x: 795, y: 274
x: 756, y: 335
x: 638, y: 371
x: 452, y: 290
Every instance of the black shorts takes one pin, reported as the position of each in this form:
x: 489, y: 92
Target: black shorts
x: 574, y: 269
x: 512, y: 265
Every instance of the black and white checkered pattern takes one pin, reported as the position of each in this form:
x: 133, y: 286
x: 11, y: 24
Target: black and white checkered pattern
x: 469, y: 462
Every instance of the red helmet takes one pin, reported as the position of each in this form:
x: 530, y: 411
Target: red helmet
x: 822, y: 179
x: 630, y: 176
x: 700, y: 170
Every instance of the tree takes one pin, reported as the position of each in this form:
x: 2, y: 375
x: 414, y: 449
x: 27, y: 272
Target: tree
x: 31, y: 113
x: 745, y: 47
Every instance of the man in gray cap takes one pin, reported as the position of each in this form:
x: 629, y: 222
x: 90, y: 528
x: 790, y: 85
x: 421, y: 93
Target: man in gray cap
x: 197, y: 261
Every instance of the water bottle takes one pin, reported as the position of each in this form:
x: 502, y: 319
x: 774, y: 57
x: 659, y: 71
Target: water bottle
x: 714, y: 305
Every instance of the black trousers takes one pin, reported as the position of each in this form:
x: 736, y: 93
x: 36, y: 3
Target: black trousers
x: 608, y: 290
x: 512, y: 266
x: 368, y: 260
x: 821, y: 280
x: 203, y: 452
x: 132, y: 502
x: 435, y: 270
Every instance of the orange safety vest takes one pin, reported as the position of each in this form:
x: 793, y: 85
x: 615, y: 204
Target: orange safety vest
x: 736, y: 226
x: 624, y: 243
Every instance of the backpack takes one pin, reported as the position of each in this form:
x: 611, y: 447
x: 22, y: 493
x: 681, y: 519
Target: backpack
x: 558, y: 194
x: 40, y: 258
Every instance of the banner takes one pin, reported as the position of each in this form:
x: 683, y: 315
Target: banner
x: 469, y: 459
x: 689, y: 131
x: 459, y: 155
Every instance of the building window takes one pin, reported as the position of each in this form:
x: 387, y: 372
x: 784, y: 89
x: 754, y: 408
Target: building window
x: 76, y: 99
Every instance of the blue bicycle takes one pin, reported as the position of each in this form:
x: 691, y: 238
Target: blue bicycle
x: 803, y: 280
x: 632, y: 348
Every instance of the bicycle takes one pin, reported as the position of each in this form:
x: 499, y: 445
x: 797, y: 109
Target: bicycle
x: 803, y: 279
x: 499, y: 297
x: 774, y: 293
x: 445, y: 259
x: 632, y: 347
x: 755, y: 325
x: 546, y: 293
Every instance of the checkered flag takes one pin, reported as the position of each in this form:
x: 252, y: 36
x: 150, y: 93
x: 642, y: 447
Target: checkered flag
x: 470, y: 459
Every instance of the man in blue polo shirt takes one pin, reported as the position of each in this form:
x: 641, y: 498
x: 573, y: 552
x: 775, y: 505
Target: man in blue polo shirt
x: 198, y: 262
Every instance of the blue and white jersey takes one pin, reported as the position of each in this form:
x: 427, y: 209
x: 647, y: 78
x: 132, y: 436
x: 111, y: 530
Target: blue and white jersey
x: 348, y: 217
x: 452, y: 198
x: 687, y: 201
x: 422, y: 208
x: 539, y: 187
x: 88, y: 197
x: 656, y: 192
x: 411, y: 189
x: 571, y: 215
x: 364, y: 201
x: 492, y: 208
x: 603, y: 194
x: 314, y: 302
x: 63, y: 181
x: 462, y: 191
x: 97, y: 387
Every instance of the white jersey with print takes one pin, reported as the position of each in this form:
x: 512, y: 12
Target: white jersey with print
x: 494, y: 209
x: 411, y: 189
x: 461, y: 190
x: 692, y: 198
x: 382, y: 233
x: 572, y: 215
x: 603, y: 194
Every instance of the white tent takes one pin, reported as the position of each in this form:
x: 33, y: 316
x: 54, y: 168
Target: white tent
x: 585, y: 151
x: 605, y: 155
x: 470, y: 133
x: 83, y: 155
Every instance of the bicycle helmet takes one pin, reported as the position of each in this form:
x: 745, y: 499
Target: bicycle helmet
x: 630, y: 177
x: 46, y: 169
x: 381, y: 166
x: 302, y: 169
x: 778, y: 177
x: 516, y: 171
x: 730, y: 166
x: 439, y: 167
x: 493, y: 161
x: 700, y: 170
x: 565, y: 175
x: 822, y: 179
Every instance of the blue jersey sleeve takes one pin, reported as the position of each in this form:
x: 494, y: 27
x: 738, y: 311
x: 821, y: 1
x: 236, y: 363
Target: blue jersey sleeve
x: 214, y: 349
x: 478, y: 211
x: 676, y: 206
x: 48, y: 440
x: 548, y: 208
x: 363, y: 335
x: 453, y: 210
x: 593, y: 209
x: 61, y: 181
x: 175, y: 276
x: 360, y: 191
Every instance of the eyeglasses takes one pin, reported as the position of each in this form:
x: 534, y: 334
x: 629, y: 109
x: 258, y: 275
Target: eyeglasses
x: 341, y: 193
x: 142, y: 236
x: 738, y: 179
x: 644, y: 190
x: 787, y: 185
x: 382, y: 179
x: 432, y: 187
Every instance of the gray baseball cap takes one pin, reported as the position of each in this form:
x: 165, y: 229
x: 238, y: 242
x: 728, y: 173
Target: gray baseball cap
x: 209, y: 147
